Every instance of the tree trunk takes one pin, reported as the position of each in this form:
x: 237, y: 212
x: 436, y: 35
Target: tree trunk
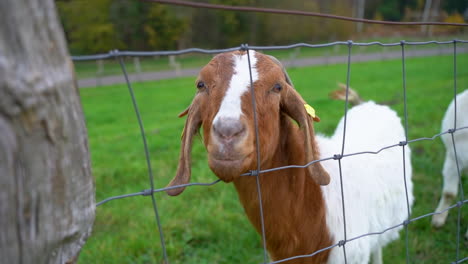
x: 47, y: 200
x: 360, y: 7
x: 426, y: 15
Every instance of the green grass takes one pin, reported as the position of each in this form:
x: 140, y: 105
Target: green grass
x: 207, y: 224
x: 90, y: 69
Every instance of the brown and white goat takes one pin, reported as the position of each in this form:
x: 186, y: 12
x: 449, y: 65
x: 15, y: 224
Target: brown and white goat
x: 301, y: 214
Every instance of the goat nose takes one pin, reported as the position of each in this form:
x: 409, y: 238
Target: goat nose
x: 228, y: 128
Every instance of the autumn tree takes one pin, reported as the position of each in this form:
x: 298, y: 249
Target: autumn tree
x: 101, y: 25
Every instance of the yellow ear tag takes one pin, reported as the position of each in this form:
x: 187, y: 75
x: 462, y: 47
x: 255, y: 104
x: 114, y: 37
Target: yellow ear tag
x: 311, y: 111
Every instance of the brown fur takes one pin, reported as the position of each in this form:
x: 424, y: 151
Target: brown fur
x: 294, y: 209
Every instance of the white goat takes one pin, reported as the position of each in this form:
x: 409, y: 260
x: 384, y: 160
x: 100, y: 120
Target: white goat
x: 302, y: 207
x: 374, y: 187
x: 449, y: 171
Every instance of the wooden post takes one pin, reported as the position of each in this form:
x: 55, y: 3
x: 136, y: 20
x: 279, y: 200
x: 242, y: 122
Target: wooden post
x: 426, y: 15
x: 360, y: 7
x: 293, y: 56
x: 136, y: 62
x: 99, y: 72
x: 47, y: 196
x: 174, y: 64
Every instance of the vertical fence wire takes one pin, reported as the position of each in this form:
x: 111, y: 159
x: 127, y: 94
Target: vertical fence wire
x: 348, y: 75
x: 257, y: 139
x: 407, y: 221
x: 460, y: 203
x: 343, y: 242
x: 403, y: 144
x: 147, y: 155
x: 461, y: 192
x: 455, y: 92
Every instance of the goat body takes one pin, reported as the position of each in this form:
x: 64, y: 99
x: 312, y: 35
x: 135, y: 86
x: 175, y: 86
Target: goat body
x: 302, y: 207
x: 449, y: 171
x: 373, y: 185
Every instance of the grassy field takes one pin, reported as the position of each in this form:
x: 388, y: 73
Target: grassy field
x: 207, y: 224
x: 91, y: 69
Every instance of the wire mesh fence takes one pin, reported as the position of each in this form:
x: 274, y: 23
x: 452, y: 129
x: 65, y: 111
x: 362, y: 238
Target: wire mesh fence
x: 119, y: 55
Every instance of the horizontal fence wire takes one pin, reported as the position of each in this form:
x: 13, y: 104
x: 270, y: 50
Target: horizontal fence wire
x: 297, y: 13
x: 338, y: 157
x: 254, y: 172
x: 117, y: 53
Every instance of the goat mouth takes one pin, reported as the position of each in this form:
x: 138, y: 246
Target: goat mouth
x: 232, y: 158
x: 228, y: 162
x: 227, y: 169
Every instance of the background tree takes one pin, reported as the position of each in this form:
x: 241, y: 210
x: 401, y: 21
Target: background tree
x: 88, y: 26
x: 46, y: 188
x: 102, y: 25
x: 394, y: 10
x: 145, y: 26
x: 452, y: 6
x: 360, y: 7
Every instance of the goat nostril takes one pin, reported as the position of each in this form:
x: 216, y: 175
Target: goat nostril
x: 228, y: 129
x: 240, y: 132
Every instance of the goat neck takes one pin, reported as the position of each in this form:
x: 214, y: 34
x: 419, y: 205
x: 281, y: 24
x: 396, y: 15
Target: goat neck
x: 293, y: 204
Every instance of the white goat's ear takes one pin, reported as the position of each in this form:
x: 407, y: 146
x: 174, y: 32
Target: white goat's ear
x: 293, y: 105
x: 192, y: 125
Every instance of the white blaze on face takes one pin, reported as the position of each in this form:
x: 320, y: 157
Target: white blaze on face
x: 239, y: 84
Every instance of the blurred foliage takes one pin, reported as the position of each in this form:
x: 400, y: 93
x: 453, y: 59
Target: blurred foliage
x: 87, y: 26
x: 455, y: 6
x: 146, y: 26
x: 454, y: 18
x: 102, y: 25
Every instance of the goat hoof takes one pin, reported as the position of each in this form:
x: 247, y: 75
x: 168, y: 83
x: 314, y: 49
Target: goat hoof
x: 439, y: 220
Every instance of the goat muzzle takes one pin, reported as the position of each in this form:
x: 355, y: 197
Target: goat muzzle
x: 228, y: 131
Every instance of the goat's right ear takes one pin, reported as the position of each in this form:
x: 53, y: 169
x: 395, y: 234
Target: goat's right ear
x: 192, y: 125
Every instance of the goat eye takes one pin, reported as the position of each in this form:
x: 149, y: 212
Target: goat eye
x: 277, y: 88
x: 200, y: 84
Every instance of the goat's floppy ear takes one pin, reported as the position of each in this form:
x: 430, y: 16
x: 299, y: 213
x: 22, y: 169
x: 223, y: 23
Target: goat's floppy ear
x: 293, y: 105
x: 192, y: 125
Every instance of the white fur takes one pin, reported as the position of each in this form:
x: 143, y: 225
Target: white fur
x: 374, y: 190
x: 239, y: 84
x: 449, y: 172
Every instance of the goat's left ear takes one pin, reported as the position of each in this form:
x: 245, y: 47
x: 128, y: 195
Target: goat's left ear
x: 293, y: 105
x: 192, y: 125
